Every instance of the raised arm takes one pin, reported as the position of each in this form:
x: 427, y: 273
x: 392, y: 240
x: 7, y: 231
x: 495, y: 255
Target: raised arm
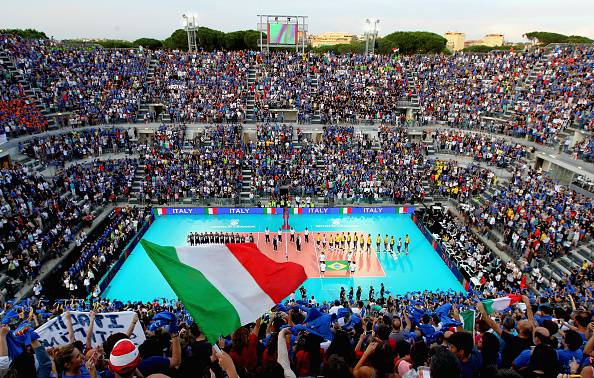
x: 256, y: 330
x: 529, y: 312
x: 89, y: 340
x: 3, y: 344
x: 408, y: 326
x: 130, y: 330
x: 176, y: 356
x: 360, y: 370
x: 493, y: 324
x: 283, y: 354
x: 68, y: 316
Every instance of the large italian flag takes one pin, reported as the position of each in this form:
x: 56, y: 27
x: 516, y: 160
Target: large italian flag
x: 160, y: 211
x: 346, y: 210
x: 500, y: 304
x: 297, y: 210
x: 210, y: 210
x: 224, y: 286
x: 270, y: 210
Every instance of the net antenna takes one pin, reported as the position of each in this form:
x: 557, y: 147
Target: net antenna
x: 370, y: 31
x: 282, y: 31
x: 190, y: 23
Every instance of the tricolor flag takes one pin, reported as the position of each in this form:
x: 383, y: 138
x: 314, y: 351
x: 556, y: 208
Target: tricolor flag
x: 297, y: 210
x: 500, y: 304
x: 402, y: 210
x: 224, y: 286
x: 210, y: 210
x: 468, y: 320
x: 346, y: 210
x: 270, y: 210
x: 160, y: 211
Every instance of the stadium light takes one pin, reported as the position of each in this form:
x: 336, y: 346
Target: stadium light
x: 190, y: 23
x: 370, y: 31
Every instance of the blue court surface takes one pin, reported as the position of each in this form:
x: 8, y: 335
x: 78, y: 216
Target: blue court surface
x: 139, y: 280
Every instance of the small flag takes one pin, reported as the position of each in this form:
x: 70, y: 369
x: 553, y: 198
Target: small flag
x: 160, y: 211
x: 337, y: 265
x: 297, y: 210
x: 346, y: 210
x: 270, y: 210
x: 500, y: 304
x: 210, y: 210
x: 402, y: 210
x: 235, y: 291
x: 468, y: 318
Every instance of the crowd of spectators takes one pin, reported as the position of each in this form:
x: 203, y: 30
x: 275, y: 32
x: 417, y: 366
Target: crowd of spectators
x: 463, y: 88
x: 360, y: 89
x: 492, y: 150
x: 285, y: 81
x: 18, y: 112
x: 538, y: 216
x: 537, y: 93
x: 444, y: 334
x: 77, y: 145
x: 210, y: 170
x: 100, y: 181
x: 584, y: 149
x: 36, y: 221
x: 96, y: 256
x: 97, y: 85
x: 209, y: 87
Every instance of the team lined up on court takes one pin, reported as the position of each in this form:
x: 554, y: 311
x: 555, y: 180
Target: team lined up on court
x: 344, y: 242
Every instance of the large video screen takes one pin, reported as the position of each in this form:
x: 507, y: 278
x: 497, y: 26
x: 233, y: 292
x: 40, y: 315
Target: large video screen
x: 282, y: 34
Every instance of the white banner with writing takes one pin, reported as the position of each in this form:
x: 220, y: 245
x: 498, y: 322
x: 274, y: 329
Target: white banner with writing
x: 55, y: 331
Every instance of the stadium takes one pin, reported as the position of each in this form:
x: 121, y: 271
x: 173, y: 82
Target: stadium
x: 245, y: 204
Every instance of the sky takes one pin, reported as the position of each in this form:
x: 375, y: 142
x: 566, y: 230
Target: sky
x: 132, y: 19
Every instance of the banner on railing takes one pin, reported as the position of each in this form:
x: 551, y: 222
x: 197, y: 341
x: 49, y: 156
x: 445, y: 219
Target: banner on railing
x: 55, y: 331
x: 280, y: 210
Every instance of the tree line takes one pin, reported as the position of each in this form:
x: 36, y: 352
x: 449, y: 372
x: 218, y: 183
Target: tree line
x: 403, y: 42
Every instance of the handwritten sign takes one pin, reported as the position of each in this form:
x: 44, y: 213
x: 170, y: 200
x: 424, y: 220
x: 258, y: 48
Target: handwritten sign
x: 55, y: 331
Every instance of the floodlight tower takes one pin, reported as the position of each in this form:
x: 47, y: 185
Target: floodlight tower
x: 190, y: 22
x: 371, y: 30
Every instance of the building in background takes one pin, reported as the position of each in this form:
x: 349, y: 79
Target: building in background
x: 455, y: 40
x: 493, y: 40
x: 329, y: 39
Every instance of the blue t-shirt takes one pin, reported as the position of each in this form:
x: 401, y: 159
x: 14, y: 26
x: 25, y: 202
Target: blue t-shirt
x: 565, y: 357
x: 84, y: 373
x: 523, y: 359
x: 472, y: 367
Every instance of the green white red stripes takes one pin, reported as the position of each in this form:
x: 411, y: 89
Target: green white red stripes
x: 346, y: 210
x: 210, y: 210
x: 468, y: 320
x: 297, y: 210
x: 402, y: 210
x: 270, y: 210
x: 160, y: 211
x: 224, y: 286
x: 500, y: 304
